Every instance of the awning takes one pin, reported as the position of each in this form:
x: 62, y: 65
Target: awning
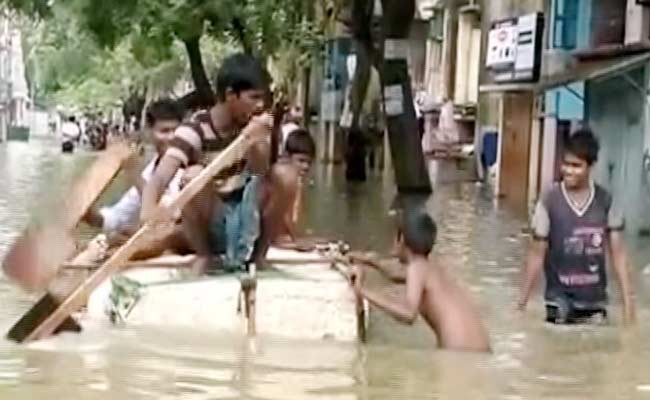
x: 583, y: 71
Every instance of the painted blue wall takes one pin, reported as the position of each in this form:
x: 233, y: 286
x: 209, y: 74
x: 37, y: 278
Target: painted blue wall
x: 615, y: 111
x: 570, y: 27
x: 570, y: 24
x: 567, y: 104
x: 583, y: 23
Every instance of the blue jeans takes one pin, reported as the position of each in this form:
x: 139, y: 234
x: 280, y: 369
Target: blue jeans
x: 235, y: 231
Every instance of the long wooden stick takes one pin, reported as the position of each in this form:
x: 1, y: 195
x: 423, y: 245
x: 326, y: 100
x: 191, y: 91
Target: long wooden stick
x: 235, y: 152
x: 151, y: 263
x: 249, y: 291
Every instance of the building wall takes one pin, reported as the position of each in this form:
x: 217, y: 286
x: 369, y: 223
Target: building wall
x: 495, y: 109
x: 492, y: 11
x: 569, y: 29
x: 615, y: 111
x: 468, y: 37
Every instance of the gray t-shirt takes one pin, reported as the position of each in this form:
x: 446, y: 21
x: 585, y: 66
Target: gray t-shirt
x: 575, y: 266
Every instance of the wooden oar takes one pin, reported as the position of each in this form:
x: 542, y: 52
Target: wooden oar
x: 36, y: 257
x: 234, y: 153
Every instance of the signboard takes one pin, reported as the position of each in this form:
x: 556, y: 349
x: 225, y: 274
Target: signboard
x: 502, y: 46
x: 515, y: 49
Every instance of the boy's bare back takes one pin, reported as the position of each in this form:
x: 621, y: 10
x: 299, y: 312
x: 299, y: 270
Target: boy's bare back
x: 447, y: 309
x: 430, y: 292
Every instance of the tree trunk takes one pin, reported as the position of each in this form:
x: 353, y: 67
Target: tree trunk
x: 133, y: 106
x: 356, y: 144
x: 406, y: 146
x: 360, y: 81
x: 240, y: 33
x: 359, y: 23
x: 204, y: 94
x: 145, y: 106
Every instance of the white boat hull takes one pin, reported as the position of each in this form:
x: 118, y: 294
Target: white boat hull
x: 303, y: 297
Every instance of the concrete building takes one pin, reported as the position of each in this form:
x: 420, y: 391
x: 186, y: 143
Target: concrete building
x: 594, y: 71
x: 14, y: 93
x: 453, y: 57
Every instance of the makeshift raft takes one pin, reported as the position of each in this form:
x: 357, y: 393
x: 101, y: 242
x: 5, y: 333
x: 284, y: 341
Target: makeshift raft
x: 303, y: 295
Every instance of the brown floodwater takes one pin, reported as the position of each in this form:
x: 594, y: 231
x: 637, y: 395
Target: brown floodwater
x: 531, y: 360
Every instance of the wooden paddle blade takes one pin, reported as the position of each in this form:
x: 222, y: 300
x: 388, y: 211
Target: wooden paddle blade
x: 92, y: 184
x: 59, y: 289
x: 36, y: 315
x: 35, y: 257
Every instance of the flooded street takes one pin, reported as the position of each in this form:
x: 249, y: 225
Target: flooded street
x: 530, y: 361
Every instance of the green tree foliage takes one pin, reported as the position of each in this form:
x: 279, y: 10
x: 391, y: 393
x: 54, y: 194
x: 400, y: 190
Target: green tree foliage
x: 154, y: 31
x: 66, y: 65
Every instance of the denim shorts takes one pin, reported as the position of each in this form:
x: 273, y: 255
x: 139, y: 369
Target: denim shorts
x: 235, y: 230
x: 562, y: 310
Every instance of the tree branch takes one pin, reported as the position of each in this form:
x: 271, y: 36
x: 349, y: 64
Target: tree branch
x: 240, y: 32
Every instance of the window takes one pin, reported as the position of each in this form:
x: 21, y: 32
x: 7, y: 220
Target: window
x: 565, y: 24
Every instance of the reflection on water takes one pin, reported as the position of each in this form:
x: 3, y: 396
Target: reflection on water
x: 485, y: 246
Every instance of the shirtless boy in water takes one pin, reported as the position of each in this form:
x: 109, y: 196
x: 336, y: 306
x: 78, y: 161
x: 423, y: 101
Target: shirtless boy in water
x: 430, y: 291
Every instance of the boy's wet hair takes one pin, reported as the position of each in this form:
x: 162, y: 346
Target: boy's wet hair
x: 300, y: 142
x: 584, y: 145
x: 241, y: 72
x: 419, y: 231
x: 164, y: 110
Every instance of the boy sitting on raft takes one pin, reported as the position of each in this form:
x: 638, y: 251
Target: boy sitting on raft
x: 430, y: 291
x: 282, y: 193
x: 120, y: 220
x: 224, y: 217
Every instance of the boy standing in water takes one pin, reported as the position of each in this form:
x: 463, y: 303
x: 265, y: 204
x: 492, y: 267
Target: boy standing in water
x: 575, y: 227
x: 430, y: 291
